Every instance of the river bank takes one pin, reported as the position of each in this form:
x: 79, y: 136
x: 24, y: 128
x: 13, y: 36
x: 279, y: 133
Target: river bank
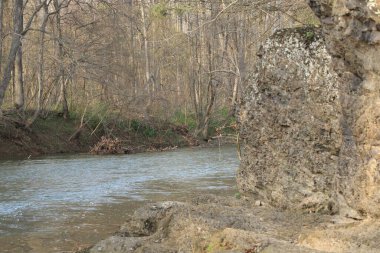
x: 53, y: 135
x: 237, y: 224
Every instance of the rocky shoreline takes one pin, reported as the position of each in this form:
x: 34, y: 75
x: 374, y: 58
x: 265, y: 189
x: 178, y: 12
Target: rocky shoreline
x: 212, y: 223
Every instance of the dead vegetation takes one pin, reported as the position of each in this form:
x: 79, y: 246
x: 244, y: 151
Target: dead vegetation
x: 107, y: 145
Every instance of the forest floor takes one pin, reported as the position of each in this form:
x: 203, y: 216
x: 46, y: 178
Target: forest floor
x: 53, y: 135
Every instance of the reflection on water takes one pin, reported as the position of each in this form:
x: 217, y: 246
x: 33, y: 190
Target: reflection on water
x: 51, y: 198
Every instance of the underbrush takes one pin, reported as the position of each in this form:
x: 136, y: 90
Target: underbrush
x: 221, y: 123
x: 85, y: 127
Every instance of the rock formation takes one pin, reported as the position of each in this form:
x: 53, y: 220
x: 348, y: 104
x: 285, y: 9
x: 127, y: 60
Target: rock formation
x: 211, y: 224
x: 352, y: 28
x: 310, y: 123
x: 291, y: 124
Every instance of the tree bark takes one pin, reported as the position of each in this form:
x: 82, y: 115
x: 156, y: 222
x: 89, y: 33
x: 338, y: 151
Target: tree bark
x: 15, y: 45
x: 148, y: 75
x: 19, y: 82
x: 211, y: 95
x: 61, y: 80
x: 19, y: 79
x: 41, y: 60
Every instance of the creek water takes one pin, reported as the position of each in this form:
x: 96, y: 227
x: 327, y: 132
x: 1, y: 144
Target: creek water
x: 67, y: 202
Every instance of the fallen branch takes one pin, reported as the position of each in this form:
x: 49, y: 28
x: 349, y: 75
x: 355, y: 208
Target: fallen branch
x: 107, y: 145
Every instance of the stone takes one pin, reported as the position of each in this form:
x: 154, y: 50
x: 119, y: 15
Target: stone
x: 211, y: 224
x: 290, y: 124
x: 353, y: 40
x: 309, y: 121
x: 216, y: 224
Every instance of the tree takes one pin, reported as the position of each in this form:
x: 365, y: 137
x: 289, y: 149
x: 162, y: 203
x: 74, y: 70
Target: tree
x: 145, y: 59
x: 18, y: 74
x: 15, y: 44
x: 44, y: 15
x: 62, y: 79
x: 15, y: 47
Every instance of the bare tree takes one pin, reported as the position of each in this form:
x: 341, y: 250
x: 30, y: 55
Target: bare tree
x: 62, y: 78
x: 139, y: 57
x: 19, y: 79
x: 44, y: 15
x: 15, y: 45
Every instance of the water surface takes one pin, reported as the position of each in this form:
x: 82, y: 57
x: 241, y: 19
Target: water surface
x: 62, y: 203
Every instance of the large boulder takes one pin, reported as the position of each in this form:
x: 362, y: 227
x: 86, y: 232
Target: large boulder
x: 310, y: 122
x: 290, y: 124
x: 352, y: 30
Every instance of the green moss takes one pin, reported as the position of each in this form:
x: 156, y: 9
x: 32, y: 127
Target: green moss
x: 309, y: 35
x: 209, y: 248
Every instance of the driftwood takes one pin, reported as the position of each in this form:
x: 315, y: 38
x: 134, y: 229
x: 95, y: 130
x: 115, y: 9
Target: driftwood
x: 107, y: 145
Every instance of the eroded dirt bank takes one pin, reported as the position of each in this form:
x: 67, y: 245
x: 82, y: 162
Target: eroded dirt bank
x: 48, y: 136
x: 53, y: 135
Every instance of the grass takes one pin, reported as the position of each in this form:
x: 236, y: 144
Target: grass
x: 209, y: 248
x: 184, y: 119
x: 220, y: 122
x: 56, y: 124
x: 144, y: 128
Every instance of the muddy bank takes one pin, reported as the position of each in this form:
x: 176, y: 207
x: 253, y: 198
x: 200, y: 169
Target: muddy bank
x: 54, y: 135
x: 44, y: 137
x: 211, y: 223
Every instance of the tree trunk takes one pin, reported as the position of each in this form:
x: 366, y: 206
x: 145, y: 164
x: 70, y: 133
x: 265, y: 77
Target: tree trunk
x: 146, y: 47
x: 211, y: 95
x: 16, y: 43
x: 19, y: 79
x: 61, y: 80
x: 19, y: 82
x: 41, y: 60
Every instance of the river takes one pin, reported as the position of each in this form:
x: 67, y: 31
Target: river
x: 67, y: 202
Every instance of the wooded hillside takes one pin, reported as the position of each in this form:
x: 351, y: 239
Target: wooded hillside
x: 185, y: 61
